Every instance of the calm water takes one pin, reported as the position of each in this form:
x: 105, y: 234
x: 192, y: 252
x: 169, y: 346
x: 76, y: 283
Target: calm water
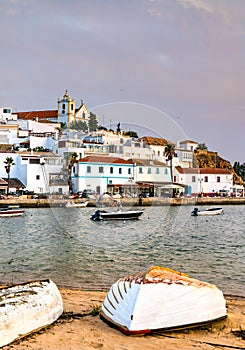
x: 65, y: 245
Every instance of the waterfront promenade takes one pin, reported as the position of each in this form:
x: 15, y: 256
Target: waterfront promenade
x: 154, y: 201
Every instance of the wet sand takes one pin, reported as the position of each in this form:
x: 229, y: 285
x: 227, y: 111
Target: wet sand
x: 77, y: 329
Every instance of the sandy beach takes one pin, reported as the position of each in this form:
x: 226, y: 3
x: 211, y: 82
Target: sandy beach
x: 79, y: 329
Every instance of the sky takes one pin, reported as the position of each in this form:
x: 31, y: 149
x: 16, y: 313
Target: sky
x: 172, y: 67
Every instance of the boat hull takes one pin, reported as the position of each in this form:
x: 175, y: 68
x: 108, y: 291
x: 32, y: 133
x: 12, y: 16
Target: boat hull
x: 11, y: 212
x: 100, y: 215
x: 76, y: 205
x: 213, y: 211
x: 138, y: 307
x: 28, y: 307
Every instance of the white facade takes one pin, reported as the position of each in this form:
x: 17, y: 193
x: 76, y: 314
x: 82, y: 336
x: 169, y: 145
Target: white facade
x: 38, y: 171
x: 151, y: 171
x: 97, y: 172
x: 6, y: 115
x: 204, y: 181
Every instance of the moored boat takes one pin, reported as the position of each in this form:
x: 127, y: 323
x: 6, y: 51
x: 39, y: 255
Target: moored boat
x: 72, y: 204
x: 210, y: 211
x: 101, y: 215
x: 11, y: 211
x: 161, y: 298
x: 28, y: 307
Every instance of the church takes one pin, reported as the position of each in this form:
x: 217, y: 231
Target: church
x: 66, y: 112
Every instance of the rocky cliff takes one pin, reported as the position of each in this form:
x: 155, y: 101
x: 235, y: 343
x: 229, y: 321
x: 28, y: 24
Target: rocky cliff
x: 208, y: 159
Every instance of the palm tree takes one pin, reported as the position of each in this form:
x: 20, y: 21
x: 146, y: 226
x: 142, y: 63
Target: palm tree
x: 9, y: 162
x: 169, y: 153
x: 73, y: 160
x: 202, y: 147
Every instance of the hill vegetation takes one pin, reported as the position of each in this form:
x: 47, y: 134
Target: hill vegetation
x: 209, y: 159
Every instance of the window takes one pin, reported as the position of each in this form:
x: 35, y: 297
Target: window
x: 157, y: 171
x: 205, y: 178
x: 34, y: 161
x: 193, y: 179
x: 140, y: 170
x: 111, y: 170
x: 101, y: 169
x: 120, y: 170
x: 218, y: 178
x: 129, y: 171
x: 88, y: 169
x: 72, y: 106
x: 166, y: 171
x: 37, y: 177
x: 149, y: 171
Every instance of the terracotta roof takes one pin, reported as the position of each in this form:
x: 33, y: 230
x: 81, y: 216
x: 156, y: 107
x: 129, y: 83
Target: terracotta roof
x: 104, y: 159
x: 203, y: 170
x: 48, y: 114
x: 15, y: 183
x: 156, y: 141
x: 189, y: 141
x: 147, y: 162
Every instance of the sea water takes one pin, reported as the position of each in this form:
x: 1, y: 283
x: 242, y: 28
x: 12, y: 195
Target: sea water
x: 65, y: 245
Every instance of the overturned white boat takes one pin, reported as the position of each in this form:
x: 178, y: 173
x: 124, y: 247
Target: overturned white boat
x: 28, y: 307
x: 161, y: 299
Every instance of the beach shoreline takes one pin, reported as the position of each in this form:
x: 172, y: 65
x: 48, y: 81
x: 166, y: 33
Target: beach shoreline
x: 80, y: 327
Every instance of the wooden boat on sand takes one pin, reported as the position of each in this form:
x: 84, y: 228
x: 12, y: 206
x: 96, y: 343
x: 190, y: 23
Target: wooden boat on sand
x: 210, y: 211
x: 28, y: 307
x: 161, y: 298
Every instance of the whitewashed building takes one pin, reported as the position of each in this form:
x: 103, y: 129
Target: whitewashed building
x: 204, y: 181
x: 97, y: 172
x: 40, y: 172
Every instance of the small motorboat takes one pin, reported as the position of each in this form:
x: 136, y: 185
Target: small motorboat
x: 101, y: 215
x: 28, y: 307
x: 11, y: 211
x: 210, y: 211
x: 161, y: 298
x: 72, y: 204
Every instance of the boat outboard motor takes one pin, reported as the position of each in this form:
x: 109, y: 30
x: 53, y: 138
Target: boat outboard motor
x: 96, y: 216
x: 195, y: 212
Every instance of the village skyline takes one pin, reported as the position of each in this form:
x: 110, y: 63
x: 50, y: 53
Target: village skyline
x: 183, y: 58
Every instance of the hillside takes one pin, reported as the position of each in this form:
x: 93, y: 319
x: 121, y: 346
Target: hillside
x: 208, y: 159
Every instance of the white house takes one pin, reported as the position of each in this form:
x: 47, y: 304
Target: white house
x: 6, y: 115
x: 204, y: 181
x: 40, y: 172
x: 97, y: 172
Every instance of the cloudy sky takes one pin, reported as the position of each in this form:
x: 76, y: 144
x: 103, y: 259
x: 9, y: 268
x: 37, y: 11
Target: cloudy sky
x: 178, y: 62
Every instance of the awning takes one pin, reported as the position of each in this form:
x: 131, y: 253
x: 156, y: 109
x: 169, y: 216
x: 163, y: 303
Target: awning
x: 173, y: 186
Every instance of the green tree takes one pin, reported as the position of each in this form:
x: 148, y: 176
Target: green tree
x: 93, y: 122
x: 9, y: 163
x: 202, y: 147
x: 131, y: 134
x: 169, y: 153
x: 240, y: 169
x: 79, y: 125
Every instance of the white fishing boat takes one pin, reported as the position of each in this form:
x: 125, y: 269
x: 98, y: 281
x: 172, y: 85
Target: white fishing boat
x: 11, y: 211
x: 28, y: 307
x: 72, y: 204
x: 102, y: 215
x: 210, y: 211
x: 161, y: 299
